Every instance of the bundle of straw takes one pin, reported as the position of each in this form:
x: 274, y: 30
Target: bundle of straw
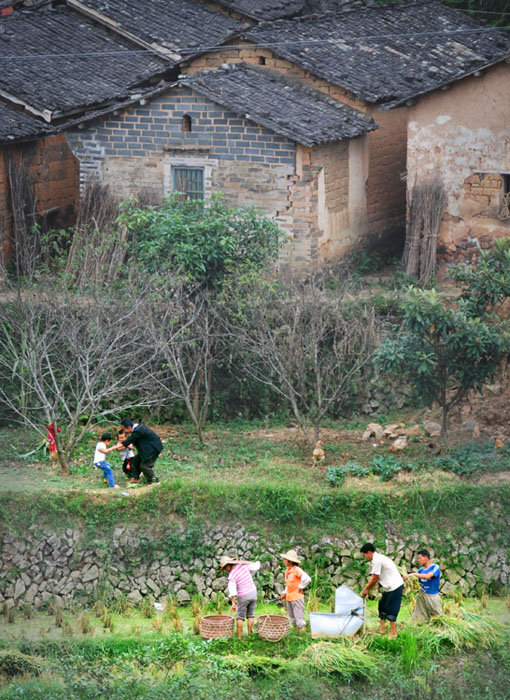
x: 468, y: 631
x: 345, y: 660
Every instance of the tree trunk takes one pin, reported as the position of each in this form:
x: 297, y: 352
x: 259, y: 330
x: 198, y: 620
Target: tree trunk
x: 64, y: 463
x: 444, y: 420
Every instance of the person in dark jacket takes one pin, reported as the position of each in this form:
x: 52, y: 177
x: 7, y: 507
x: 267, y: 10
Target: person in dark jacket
x: 148, y: 445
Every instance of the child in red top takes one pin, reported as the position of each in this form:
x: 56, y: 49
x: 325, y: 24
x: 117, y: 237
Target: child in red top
x: 295, y: 581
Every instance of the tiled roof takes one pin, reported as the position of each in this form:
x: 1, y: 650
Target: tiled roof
x: 264, y: 9
x: 286, y: 107
x: 174, y: 24
x: 15, y: 124
x: 387, y: 53
x: 61, y: 61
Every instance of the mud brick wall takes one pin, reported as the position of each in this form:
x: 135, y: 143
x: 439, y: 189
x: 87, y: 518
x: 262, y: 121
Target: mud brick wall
x: 386, y: 184
x: 53, y: 176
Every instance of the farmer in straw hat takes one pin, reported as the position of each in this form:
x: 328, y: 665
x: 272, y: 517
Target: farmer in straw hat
x: 295, y: 581
x: 241, y: 589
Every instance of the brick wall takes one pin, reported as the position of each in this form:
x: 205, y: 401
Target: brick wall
x: 53, y: 175
x: 387, y: 147
x: 134, y: 152
x: 250, y: 53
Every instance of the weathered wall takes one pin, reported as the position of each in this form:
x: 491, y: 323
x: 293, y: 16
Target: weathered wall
x: 386, y: 182
x: 53, y: 176
x: 44, y: 566
x: 382, y: 160
x: 135, y: 151
x: 462, y: 135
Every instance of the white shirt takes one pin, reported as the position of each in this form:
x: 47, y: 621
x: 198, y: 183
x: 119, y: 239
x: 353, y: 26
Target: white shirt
x: 99, y: 456
x: 127, y: 453
x: 387, y: 571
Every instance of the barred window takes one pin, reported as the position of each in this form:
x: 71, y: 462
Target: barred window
x: 189, y: 182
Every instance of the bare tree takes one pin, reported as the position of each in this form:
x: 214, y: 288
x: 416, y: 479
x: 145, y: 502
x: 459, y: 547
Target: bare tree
x: 70, y: 359
x: 184, y: 331
x: 307, y: 343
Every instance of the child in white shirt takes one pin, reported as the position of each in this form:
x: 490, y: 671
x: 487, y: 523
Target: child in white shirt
x: 102, y: 449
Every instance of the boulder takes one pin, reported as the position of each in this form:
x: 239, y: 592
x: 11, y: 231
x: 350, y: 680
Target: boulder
x: 373, y: 429
x: 183, y: 597
x: 432, y: 429
x: 134, y: 597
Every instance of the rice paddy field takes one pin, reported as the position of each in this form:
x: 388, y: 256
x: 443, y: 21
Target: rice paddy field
x: 122, y: 652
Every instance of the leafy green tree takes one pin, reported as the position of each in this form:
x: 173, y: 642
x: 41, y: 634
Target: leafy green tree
x: 447, y: 349
x: 204, y: 241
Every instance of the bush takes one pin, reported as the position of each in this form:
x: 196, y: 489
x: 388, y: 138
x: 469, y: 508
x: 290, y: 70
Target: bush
x: 472, y: 458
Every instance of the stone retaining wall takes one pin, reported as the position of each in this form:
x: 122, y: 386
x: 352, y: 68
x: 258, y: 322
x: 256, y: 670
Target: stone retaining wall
x: 45, y: 566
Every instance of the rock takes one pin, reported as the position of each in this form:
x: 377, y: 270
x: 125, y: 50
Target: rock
x: 498, y: 444
x: 154, y: 587
x: 19, y: 589
x: 376, y: 430
x: 452, y: 576
x: 183, y: 597
x: 432, y: 429
x: 91, y: 575
x: 199, y: 582
x: 134, y: 597
x: 412, y: 431
x: 219, y: 584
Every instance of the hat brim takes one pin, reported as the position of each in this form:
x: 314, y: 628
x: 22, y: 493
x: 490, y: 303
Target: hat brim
x: 294, y: 561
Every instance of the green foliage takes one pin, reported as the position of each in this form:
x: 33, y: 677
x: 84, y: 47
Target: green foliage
x: 444, y: 351
x: 205, y: 241
x: 475, y: 458
x: 384, y: 466
x: 487, y: 285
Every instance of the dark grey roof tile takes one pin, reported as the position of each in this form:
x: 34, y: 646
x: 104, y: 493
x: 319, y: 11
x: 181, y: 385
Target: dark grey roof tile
x: 60, y: 61
x: 174, y: 24
x: 286, y: 107
x: 15, y: 124
x: 385, y: 53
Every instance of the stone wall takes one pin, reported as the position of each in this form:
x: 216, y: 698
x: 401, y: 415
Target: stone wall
x: 45, y: 566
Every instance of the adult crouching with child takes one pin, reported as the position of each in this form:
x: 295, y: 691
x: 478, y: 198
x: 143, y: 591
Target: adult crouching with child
x: 148, y: 445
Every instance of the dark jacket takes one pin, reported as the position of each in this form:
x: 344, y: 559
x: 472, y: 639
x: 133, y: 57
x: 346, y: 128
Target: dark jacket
x: 146, y: 442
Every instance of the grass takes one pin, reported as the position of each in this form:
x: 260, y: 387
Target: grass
x: 138, y: 662
x: 218, y: 480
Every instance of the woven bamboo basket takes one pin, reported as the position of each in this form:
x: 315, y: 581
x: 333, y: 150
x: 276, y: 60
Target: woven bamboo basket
x: 272, y: 628
x: 213, y: 626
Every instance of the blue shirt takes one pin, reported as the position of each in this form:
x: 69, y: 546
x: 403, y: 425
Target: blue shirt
x: 430, y: 585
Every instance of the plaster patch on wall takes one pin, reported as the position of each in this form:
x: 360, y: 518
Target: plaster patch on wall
x: 443, y: 118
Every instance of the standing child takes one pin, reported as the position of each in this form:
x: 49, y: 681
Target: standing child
x: 129, y: 460
x: 295, y: 581
x: 102, y: 449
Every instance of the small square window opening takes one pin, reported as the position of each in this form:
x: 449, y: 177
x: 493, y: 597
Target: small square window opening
x: 189, y: 182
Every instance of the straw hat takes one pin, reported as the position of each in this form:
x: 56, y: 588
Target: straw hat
x: 226, y: 560
x: 292, y: 556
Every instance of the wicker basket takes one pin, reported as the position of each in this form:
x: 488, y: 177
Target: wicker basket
x: 212, y: 626
x: 272, y: 628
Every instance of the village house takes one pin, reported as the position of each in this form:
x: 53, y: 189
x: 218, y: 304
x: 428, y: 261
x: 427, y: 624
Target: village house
x: 310, y: 123
x: 461, y: 138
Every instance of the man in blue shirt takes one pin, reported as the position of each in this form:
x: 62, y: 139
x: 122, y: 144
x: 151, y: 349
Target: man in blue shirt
x: 428, y: 602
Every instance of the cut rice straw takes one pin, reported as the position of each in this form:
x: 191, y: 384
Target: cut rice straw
x: 347, y: 661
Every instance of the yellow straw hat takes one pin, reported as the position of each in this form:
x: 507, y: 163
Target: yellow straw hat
x: 292, y: 556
